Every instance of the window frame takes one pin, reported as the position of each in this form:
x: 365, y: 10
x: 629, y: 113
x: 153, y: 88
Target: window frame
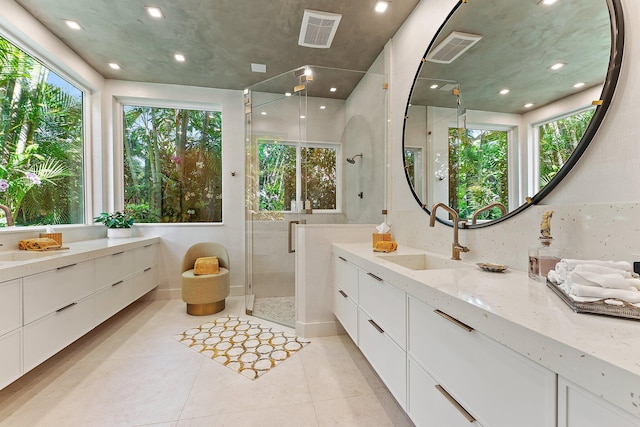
x: 299, y: 146
x: 88, y: 100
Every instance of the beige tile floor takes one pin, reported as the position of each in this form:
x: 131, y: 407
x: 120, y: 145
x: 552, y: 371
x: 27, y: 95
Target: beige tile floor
x: 131, y: 372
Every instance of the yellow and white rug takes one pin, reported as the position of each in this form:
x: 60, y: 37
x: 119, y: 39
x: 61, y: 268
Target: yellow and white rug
x: 245, y: 346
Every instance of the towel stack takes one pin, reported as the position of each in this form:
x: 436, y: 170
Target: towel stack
x: 38, y: 244
x: 597, y: 279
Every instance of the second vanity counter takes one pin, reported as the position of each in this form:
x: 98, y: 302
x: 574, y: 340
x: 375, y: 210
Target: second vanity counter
x: 78, y: 252
x: 600, y: 354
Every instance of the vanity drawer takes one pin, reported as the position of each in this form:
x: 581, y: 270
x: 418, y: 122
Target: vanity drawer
x: 386, y: 305
x: 10, y: 305
x: 112, y: 299
x: 345, y: 275
x: 113, y: 268
x: 10, y: 357
x: 145, y: 257
x: 498, y: 386
x: 427, y: 406
x: 49, y: 291
x: 386, y: 357
x: 145, y: 281
x: 47, y: 336
x: 346, y: 311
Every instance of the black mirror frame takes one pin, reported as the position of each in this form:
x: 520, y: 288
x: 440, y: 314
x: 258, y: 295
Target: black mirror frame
x: 613, y: 73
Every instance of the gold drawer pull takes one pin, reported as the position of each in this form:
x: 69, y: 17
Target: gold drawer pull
x: 343, y: 293
x: 454, y: 321
x: 343, y: 259
x: 117, y: 283
x: 455, y: 403
x: 66, y: 307
x: 375, y: 325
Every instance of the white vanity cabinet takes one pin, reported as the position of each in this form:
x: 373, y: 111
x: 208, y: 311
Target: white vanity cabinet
x: 113, y: 284
x: 578, y: 407
x: 10, y: 331
x: 345, y: 295
x: 494, y: 384
x: 385, y: 304
x: 145, y: 268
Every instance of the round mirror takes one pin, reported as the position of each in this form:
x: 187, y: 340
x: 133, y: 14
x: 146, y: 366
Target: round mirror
x: 505, y: 101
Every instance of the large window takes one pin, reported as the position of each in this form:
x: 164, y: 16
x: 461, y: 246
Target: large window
x: 41, y: 167
x: 478, y: 170
x: 173, y: 164
x: 291, y: 175
x: 557, y: 141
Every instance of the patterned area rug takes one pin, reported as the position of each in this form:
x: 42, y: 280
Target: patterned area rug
x: 247, y: 347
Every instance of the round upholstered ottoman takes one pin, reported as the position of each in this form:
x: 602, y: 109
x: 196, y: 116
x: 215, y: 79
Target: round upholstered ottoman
x: 205, y: 293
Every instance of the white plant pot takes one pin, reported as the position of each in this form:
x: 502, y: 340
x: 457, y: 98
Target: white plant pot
x: 118, y: 233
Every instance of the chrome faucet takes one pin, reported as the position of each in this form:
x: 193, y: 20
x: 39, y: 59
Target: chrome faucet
x: 486, y: 208
x: 456, y: 247
x: 7, y: 214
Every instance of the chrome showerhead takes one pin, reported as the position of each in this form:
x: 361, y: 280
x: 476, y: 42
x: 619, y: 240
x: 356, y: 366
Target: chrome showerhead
x: 352, y: 160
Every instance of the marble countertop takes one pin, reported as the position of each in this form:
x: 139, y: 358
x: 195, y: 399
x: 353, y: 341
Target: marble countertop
x: 599, y: 353
x: 78, y: 252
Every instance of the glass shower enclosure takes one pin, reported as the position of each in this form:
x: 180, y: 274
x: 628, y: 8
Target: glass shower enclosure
x: 315, y: 147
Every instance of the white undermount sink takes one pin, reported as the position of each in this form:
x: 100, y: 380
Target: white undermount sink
x: 422, y: 261
x: 16, y: 256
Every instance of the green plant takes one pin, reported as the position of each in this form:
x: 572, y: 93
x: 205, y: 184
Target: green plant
x: 118, y: 219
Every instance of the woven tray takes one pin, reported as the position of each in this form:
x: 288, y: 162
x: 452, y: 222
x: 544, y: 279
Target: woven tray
x: 625, y: 311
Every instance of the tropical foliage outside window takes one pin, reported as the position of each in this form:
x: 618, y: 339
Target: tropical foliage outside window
x: 558, y: 140
x: 478, y: 170
x: 173, y: 164
x: 278, y: 172
x: 41, y: 158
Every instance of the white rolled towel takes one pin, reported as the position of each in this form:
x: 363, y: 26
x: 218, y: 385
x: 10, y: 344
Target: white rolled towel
x: 609, y: 281
x: 564, y: 266
x: 598, y: 292
x: 599, y: 269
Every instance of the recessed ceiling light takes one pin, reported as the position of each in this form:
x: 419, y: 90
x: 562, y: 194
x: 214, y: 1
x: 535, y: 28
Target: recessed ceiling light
x: 114, y: 66
x: 433, y: 87
x: 264, y: 113
x: 302, y: 117
x: 72, y: 24
x: 547, y: 2
x: 557, y: 66
x: 155, y: 12
x: 308, y: 72
x: 529, y: 105
x: 577, y: 85
x: 333, y: 89
x: 323, y: 107
x: 179, y: 57
x: 381, y: 6
x: 504, y: 91
x: 258, y: 68
x: 287, y: 94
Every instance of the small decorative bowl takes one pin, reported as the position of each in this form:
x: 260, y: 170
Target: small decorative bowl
x: 493, y: 268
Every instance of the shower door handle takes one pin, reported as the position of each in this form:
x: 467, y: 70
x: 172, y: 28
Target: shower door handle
x: 302, y: 221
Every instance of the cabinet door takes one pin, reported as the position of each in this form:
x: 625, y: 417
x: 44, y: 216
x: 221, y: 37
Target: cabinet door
x: 578, y: 407
x: 145, y: 281
x: 145, y: 257
x: 50, y: 334
x: 112, y: 299
x: 10, y: 357
x: 113, y: 268
x: 428, y: 405
x: 499, y: 386
x: 345, y: 275
x: 10, y: 306
x: 346, y: 311
x: 386, y: 357
x: 386, y: 304
x: 49, y: 291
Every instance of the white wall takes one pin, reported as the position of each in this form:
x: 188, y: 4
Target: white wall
x: 597, y: 204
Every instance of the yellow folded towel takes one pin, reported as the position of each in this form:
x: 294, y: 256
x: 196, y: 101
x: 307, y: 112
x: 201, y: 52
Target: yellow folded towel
x: 37, y: 244
x: 206, y: 265
x: 385, y: 246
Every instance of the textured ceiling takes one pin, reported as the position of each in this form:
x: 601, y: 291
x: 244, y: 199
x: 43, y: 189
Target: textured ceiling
x: 220, y: 38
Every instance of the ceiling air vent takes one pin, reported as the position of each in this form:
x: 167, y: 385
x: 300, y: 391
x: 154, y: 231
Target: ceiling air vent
x: 454, y: 45
x: 318, y: 28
